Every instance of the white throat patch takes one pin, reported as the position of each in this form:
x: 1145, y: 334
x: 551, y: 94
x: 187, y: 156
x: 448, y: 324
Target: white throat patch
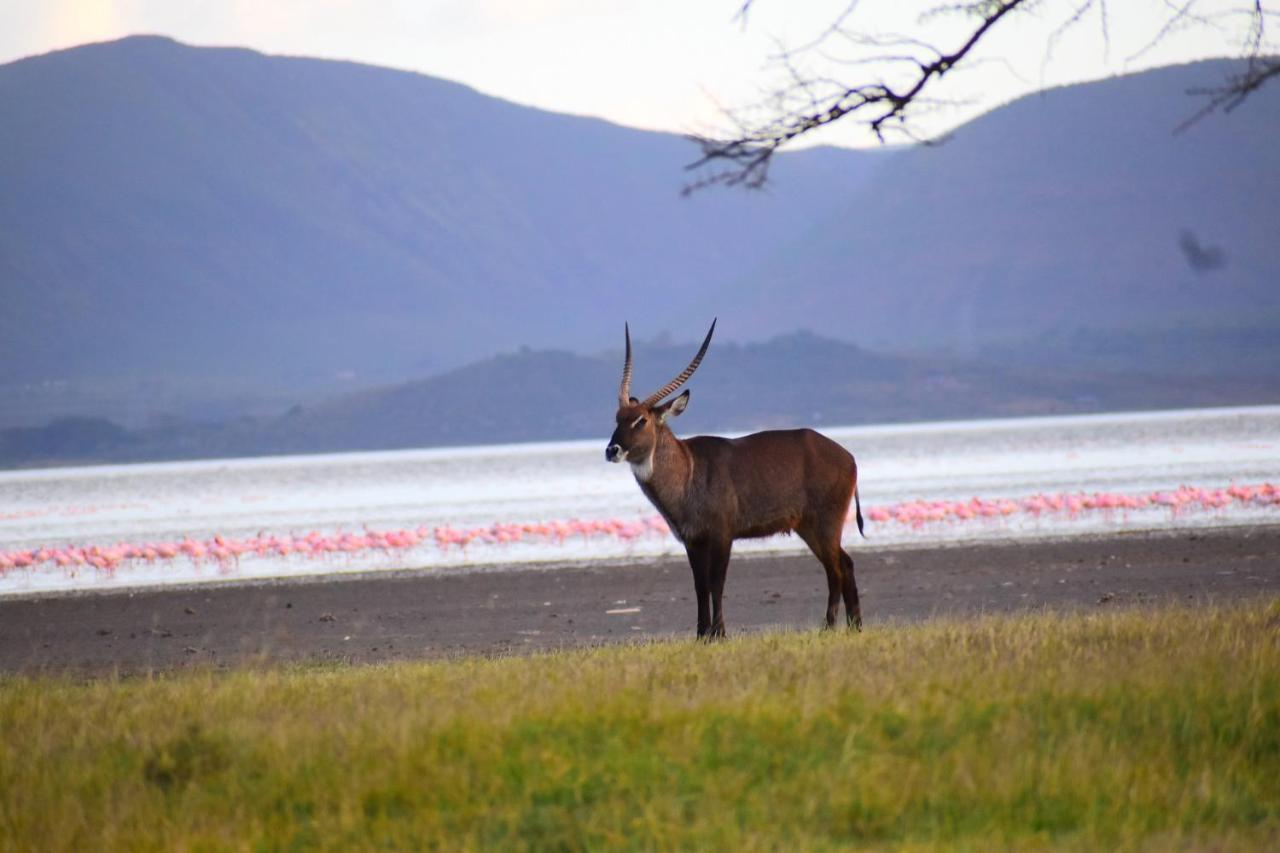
x: 642, y: 468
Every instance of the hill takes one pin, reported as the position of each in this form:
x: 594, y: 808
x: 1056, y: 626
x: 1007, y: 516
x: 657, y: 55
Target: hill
x: 194, y: 241
x: 181, y: 221
x: 1077, y: 209
x: 541, y: 395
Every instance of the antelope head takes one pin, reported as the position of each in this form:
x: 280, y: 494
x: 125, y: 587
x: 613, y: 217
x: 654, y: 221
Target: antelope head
x: 640, y: 421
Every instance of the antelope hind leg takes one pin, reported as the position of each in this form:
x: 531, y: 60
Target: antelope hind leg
x: 852, y: 609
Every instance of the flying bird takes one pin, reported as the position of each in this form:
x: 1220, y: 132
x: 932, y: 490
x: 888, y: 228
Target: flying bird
x: 1200, y: 258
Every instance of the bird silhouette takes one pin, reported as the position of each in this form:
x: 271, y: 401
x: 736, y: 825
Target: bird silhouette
x: 1200, y: 258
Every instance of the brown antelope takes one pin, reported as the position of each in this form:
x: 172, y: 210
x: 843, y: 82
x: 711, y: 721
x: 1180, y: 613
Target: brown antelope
x: 714, y: 490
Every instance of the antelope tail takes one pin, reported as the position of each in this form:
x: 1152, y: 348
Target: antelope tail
x: 857, y: 509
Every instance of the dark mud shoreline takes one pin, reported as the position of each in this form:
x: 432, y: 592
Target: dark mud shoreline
x: 420, y: 615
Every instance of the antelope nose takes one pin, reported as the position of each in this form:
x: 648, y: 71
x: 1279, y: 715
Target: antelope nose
x: 611, y: 452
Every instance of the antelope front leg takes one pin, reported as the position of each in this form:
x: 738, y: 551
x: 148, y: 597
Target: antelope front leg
x: 718, y: 565
x: 699, y: 561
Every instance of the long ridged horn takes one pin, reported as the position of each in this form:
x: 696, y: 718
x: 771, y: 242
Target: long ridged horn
x: 624, y: 393
x: 683, y: 377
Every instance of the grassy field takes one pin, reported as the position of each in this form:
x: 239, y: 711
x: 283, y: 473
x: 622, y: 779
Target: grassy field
x: 1149, y: 729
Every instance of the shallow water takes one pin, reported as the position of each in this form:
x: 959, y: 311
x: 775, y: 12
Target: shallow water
x: 466, y: 488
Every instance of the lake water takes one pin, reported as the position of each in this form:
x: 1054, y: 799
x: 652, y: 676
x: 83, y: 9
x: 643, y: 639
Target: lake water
x: 520, y: 487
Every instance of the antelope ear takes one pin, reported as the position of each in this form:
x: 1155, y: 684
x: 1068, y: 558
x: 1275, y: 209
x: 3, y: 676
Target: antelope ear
x: 673, y: 408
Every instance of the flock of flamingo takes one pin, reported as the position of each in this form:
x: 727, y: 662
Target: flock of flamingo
x: 226, y: 552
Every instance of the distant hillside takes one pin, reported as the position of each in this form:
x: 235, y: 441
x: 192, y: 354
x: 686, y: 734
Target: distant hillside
x: 195, y: 235
x: 532, y: 395
x: 174, y: 214
x: 1075, y: 209
x: 799, y: 379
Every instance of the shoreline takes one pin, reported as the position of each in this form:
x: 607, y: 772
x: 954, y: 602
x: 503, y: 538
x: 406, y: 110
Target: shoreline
x: 430, y: 614
x: 792, y: 550
x: 928, y: 538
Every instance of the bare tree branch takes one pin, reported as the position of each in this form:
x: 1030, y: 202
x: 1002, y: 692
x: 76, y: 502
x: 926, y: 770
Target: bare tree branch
x: 808, y: 101
x: 1235, y: 90
x: 1181, y: 15
x: 1258, y: 70
x: 752, y: 151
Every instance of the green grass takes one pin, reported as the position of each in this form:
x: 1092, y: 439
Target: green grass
x: 1150, y: 729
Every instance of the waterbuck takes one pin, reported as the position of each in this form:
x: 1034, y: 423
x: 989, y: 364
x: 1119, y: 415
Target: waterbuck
x: 714, y: 490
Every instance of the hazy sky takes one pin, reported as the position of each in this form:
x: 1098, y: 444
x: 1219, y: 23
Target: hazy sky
x: 661, y: 64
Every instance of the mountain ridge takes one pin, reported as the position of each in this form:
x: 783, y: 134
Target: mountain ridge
x: 1036, y: 213
x: 191, y: 236
x: 800, y: 379
x: 218, y: 211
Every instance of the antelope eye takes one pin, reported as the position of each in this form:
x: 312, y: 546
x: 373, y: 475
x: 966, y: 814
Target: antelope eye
x: 639, y: 422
